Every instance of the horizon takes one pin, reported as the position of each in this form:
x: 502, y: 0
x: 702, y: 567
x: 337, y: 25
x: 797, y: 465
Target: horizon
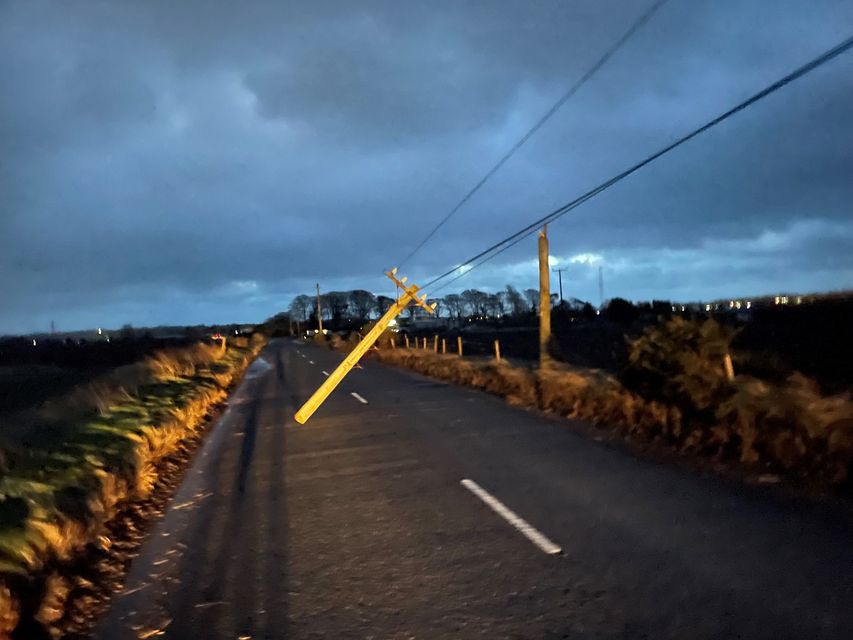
x: 62, y: 331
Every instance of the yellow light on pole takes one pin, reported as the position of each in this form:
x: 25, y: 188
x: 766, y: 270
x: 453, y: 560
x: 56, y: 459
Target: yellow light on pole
x: 334, y: 379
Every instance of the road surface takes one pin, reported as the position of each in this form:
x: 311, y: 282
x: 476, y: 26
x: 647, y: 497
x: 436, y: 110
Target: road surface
x: 359, y: 525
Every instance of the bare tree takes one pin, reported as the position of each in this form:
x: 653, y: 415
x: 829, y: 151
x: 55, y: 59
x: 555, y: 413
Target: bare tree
x: 301, y: 307
x: 454, y: 304
x: 361, y: 303
x: 493, y: 305
x: 334, y: 304
x: 515, y: 301
x: 382, y: 304
x: 532, y: 296
x: 476, y: 301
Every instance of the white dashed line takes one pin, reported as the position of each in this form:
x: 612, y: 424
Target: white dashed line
x: 358, y: 397
x: 325, y: 373
x: 519, y: 523
x: 310, y: 362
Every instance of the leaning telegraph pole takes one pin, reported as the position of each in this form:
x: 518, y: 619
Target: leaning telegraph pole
x: 319, y: 310
x: 544, y: 298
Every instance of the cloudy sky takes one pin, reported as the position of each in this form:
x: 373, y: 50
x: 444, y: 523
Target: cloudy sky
x: 195, y: 162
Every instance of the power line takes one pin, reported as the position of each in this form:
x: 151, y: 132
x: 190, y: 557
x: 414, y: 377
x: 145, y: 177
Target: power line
x: 539, y: 123
x: 515, y: 238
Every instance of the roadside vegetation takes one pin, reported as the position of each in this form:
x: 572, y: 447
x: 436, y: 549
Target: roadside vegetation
x: 674, y: 389
x: 66, y: 465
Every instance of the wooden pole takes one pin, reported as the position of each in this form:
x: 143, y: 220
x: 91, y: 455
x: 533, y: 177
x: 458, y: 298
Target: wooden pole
x: 443, y: 346
x: 319, y: 310
x: 544, y: 298
x: 459, y: 345
x: 323, y: 391
x: 393, y: 342
x: 406, y: 336
x: 435, y: 344
x: 730, y: 369
x: 497, y: 350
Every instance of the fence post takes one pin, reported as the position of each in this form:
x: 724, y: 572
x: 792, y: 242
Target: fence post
x: 435, y: 344
x: 393, y: 342
x: 443, y: 346
x: 406, y: 336
x: 459, y: 345
x: 497, y: 350
x: 425, y: 347
x: 730, y: 370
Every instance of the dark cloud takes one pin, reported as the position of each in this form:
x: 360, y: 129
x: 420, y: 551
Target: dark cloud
x: 199, y: 161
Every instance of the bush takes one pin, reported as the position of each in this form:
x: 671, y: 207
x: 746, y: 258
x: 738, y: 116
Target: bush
x: 681, y: 362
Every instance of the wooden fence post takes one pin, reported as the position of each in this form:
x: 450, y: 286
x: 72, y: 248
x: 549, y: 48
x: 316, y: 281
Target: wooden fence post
x: 497, y: 350
x: 459, y: 345
x: 443, y: 346
x: 406, y: 336
x: 730, y: 370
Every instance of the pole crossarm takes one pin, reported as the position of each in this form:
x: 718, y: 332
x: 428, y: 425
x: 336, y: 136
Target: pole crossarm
x: 410, y: 294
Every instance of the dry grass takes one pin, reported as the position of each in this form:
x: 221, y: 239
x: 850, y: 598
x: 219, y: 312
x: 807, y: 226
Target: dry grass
x: 57, y: 493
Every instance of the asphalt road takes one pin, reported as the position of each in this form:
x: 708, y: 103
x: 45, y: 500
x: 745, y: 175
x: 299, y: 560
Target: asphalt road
x: 358, y: 525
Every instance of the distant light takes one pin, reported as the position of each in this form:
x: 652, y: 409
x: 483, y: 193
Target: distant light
x: 34, y: 342
x: 598, y: 312
x: 749, y: 304
x: 108, y: 338
x: 100, y: 332
x: 777, y: 300
x: 738, y: 305
x: 682, y: 307
x: 236, y: 333
x: 799, y: 300
x: 393, y: 322
x: 707, y: 307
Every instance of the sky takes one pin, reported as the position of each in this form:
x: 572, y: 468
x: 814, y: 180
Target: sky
x: 199, y: 162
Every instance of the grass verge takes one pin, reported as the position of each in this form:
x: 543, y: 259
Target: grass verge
x: 97, y: 448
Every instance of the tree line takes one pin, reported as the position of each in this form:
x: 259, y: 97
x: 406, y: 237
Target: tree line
x: 359, y: 305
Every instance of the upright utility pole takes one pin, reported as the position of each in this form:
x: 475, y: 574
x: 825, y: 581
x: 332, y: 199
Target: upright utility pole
x: 319, y: 310
x: 560, y: 276
x: 600, y: 287
x: 544, y: 298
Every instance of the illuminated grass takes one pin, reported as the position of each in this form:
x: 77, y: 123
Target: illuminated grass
x: 63, y: 482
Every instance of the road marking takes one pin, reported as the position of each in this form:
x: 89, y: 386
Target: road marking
x: 507, y: 514
x: 325, y: 373
x: 310, y: 362
x: 358, y: 397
